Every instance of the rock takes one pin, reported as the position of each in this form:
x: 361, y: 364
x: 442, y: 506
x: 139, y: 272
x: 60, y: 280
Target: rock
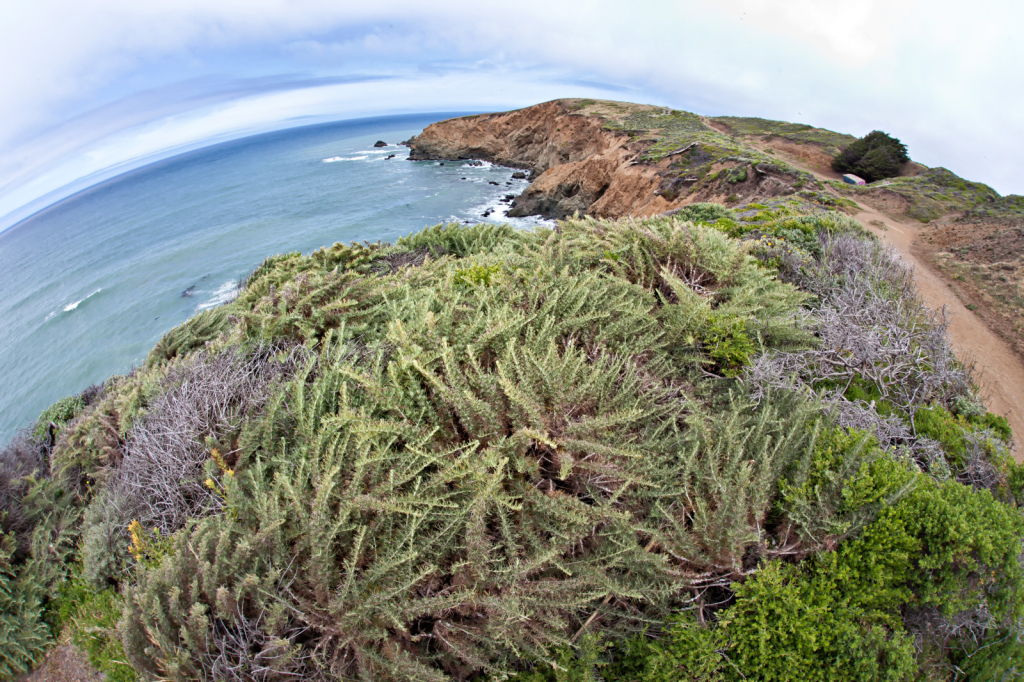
x: 573, y: 162
x: 475, y: 163
x: 190, y: 292
x: 380, y: 143
x: 492, y: 182
x: 389, y: 156
x: 442, y: 163
x: 510, y: 197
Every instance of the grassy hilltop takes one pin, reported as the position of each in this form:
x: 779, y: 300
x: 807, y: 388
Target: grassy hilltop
x: 724, y: 444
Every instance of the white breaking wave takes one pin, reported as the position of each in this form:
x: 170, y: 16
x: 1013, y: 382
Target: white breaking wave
x: 225, y: 293
x: 344, y: 158
x: 71, y: 306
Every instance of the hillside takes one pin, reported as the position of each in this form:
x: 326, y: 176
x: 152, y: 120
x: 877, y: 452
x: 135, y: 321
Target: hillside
x: 616, y: 159
x: 728, y: 441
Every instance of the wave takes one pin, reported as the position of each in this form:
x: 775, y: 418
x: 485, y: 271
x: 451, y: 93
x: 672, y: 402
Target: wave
x: 71, y: 306
x: 225, y: 293
x: 344, y: 158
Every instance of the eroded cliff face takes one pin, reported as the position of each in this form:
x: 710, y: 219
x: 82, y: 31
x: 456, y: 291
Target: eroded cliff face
x: 585, y: 158
x: 574, y: 163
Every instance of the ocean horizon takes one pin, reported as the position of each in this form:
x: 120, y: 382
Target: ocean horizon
x: 90, y: 283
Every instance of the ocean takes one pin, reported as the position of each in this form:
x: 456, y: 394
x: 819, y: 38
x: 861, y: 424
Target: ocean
x: 90, y: 284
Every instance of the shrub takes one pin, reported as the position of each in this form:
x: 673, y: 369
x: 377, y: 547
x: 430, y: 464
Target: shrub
x: 24, y: 635
x: 999, y: 659
x: 93, y: 617
x: 873, y: 157
x: 707, y: 213
x: 838, y: 616
x: 60, y: 413
x: 470, y: 480
x: 786, y: 625
x: 20, y: 460
x: 840, y: 486
x: 189, y: 336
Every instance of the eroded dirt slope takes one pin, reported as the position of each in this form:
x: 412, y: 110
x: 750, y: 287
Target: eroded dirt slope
x: 613, y: 159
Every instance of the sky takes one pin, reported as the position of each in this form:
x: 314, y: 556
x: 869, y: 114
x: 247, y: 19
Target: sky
x: 92, y: 89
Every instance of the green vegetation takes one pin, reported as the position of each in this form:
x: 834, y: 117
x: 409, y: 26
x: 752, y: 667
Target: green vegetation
x: 838, y: 616
x: 634, y: 450
x: 23, y: 633
x: 93, y: 616
x: 830, y: 142
x: 937, y: 191
x: 702, y: 161
x: 875, y: 156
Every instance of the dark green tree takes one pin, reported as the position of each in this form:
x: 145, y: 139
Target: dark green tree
x: 873, y: 157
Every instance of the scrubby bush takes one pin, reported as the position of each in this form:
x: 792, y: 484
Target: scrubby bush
x: 851, y: 614
x: 707, y: 213
x: 526, y: 443
x: 189, y: 336
x: 23, y: 633
x: 873, y: 157
x: 482, y: 451
x: 60, y: 413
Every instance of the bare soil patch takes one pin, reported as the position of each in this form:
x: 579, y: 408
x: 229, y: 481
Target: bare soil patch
x: 810, y: 156
x: 984, y: 263
x: 64, y: 663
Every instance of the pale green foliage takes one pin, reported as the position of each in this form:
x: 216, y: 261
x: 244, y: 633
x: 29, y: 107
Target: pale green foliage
x: 23, y: 634
x: 484, y: 446
x: 190, y: 335
x: 471, y: 466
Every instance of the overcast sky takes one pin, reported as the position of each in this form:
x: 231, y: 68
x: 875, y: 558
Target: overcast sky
x: 90, y: 88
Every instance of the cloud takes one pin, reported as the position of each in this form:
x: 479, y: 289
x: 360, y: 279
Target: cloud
x: 87, y: 77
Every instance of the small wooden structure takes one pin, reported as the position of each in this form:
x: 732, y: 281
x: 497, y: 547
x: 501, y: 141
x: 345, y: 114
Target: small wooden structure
x: 852, y: 179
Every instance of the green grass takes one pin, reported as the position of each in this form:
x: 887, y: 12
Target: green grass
x: 936, y: 192
x: 800, y: 133
x: 92, y: 617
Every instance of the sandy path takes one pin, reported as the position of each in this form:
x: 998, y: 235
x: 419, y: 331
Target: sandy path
x: 997, y: 370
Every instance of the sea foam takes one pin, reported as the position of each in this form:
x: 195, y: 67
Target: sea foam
x: 225, y: 293
x: 71, y: 306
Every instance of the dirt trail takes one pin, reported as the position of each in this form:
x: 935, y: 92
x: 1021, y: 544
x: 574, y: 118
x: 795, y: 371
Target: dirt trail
x: 997, y: 368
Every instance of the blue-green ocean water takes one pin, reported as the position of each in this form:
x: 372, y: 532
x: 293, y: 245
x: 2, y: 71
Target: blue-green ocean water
x: 90, y: 284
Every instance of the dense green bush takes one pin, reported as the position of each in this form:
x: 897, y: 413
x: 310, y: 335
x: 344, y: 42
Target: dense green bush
x: 501, y: 454
x: 60, y: 413
x: 23, y: 633
x: 873, y: 157
x: 706, y: 213
x: 839, y: 616
x: 482, y: 451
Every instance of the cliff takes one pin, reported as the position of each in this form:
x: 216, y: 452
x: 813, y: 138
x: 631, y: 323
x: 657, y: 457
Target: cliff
x: 613, y: 159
